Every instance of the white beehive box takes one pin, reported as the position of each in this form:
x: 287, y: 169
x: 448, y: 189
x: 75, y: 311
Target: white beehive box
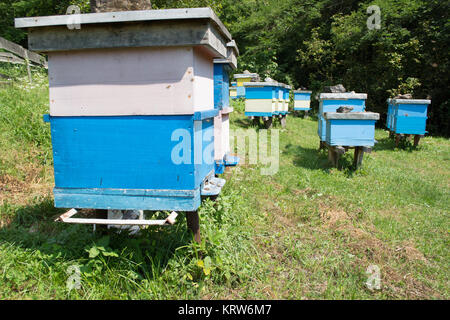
x: 124, y: 63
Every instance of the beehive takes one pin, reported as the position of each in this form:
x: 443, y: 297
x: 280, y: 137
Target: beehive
x: 302, y: 100
x: 286, y: 94
x: 408, y: 116
x: 242, y: 78
x: 233, y: 90
x: 350, y: 129
x: 330, y: 102
x: 280, y: 99
x: 222, y: 68
x: 131, y: 106
x: 260, y: 98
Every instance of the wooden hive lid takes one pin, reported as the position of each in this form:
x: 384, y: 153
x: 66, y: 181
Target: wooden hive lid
x: 342, y: 96
x: 351, y: 116
x: 143, y: 28
x: 232, y: 54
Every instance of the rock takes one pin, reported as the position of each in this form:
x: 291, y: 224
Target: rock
x: 403, y: 96
x: 334, y: 89
x: 119, y: 5
x: 344, y: 109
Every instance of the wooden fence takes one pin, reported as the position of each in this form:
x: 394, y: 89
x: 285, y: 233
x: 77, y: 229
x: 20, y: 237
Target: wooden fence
x: 13, y: 53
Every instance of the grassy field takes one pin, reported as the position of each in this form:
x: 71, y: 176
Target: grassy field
x: 308, y: 232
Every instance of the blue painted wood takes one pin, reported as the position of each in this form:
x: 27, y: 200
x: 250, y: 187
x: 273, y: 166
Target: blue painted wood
x: 221, y: 85
x: 96, y: 199
x: 286, y: 92
x: 266, y: 92
x: 389, y: 114
x: 130, y: 152
x: 350, y: 132
x: 231, y: 161
x: 240, y: 92
x: 258, y: 114
x: 302, y: 96
x: 331, y: 105
x: 408, y: 118
x: 206, y: 114
x: 219, y: 167
x: 280, y: 93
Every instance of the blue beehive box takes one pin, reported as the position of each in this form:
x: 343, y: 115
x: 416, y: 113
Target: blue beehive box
x: 286, y: 96
x: 389, y: 115
x: 233, y: 90
x: 280, y: 99
x: 131, y: 112
x: 302, y: 100
x: 242, y: 78
x: 408, y: 116
x: 350, y: 129
x: 260, y: 99
x: 222, y: 68
x: 330, y: 102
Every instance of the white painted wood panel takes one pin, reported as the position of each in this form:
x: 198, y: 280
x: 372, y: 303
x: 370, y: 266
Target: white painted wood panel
x: 258, y: 105
x: 218, y: 138
x: 301, y: 103
x: 225, y: 133
x: 203, y: 80
x: 221, y: 135
x: 132, y: 81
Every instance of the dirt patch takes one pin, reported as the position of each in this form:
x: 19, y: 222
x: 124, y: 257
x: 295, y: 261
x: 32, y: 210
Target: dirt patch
x: 11, y: 184
x: 369, y: 250
x: 410, y: 252
x: 334, y: 217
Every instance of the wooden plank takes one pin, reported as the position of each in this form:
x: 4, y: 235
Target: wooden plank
x: 161, y: 34
x: 359, y: 154
x: 12, y: 60
x: 417, y: 140
x: 338, y: 149
x: 333, y: 157
x: 22, y: 52
x: 193, y: 224
x: 185, y: 14
x: 130, y: 82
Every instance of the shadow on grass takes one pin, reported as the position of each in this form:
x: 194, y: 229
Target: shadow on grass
x: 33, y: 227
x: 389, y: 144
x: 314, y: 159
x: 258, y: 125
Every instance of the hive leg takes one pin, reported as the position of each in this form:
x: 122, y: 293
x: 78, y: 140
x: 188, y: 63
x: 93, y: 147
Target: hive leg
x: 268, y: 123
x: 193, y: 224
x: 306, y: 114
x: 416, y: 140
x: 333, y: 157
x: 397, y: 140
x: 321, y: 145
x: 283, y: 121
x: 358, y: 158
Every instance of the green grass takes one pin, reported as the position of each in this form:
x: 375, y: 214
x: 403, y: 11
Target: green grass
x: 308, y: 232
